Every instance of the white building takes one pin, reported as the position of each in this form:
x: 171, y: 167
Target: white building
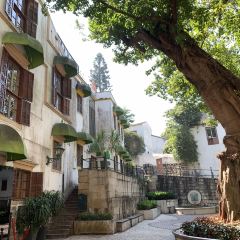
x: 210, y: 144
x: 153, y: 144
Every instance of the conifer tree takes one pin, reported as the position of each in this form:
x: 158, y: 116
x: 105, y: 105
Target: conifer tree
x: 100, y: 74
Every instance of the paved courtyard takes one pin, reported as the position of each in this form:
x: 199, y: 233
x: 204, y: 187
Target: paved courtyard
x: 159, y: 228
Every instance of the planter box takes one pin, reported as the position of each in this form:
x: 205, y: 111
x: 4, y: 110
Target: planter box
x: 150, y: 214
x: 180, y: 236
x: 94, y: 227
x: 167, y: 206
x: 196, y: 210
x: 124, y: 224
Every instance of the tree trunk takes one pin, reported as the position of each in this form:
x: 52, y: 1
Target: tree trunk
x: 219, y: 89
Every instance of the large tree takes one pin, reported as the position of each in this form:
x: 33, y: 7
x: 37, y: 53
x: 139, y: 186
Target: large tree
x: 100, y: 74
x: 199, y: 40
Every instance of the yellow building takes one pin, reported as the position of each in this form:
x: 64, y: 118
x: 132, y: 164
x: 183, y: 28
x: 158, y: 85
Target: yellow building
x: 42, y: 99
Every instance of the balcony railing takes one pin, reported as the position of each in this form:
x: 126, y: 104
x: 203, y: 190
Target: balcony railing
x: 113, y: 165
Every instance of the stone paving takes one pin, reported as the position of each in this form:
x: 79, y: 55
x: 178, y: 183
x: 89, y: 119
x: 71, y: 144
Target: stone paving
x: 159, y: 228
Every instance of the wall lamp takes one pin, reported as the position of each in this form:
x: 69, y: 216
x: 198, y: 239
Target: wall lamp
x: 58, y: 152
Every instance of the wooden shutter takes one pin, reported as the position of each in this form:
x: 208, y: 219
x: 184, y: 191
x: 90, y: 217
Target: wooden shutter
x: 67, y: 88
x: 54, y: 92
x: 32, y: 18
x: 66, y: 106
x: 26, y: 85
x: 3, y: 76
x: 9, y: 8
x: 24, y: 111
x: 36, y: 184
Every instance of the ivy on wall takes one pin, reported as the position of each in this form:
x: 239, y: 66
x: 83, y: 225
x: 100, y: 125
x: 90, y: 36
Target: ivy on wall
x: 180, y: 141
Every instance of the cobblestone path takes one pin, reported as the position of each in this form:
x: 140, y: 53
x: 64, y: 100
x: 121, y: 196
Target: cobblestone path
x: 157, y: 229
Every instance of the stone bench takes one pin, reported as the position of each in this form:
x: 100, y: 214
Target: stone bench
x: 126, y: 223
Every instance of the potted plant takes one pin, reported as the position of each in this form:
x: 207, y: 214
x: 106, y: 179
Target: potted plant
x: 32, y: 215
x: 149, y: 209
x: 206, y: 229
x: 55, y: 201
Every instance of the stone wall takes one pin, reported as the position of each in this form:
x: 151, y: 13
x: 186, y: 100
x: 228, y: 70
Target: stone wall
x: 108, y: 191
x: 182, y: 185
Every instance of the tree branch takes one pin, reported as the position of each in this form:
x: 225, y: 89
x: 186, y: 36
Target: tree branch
x: 174, y: 12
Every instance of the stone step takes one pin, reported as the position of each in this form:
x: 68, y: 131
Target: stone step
x: 58, y: 231
x: 56, y: 236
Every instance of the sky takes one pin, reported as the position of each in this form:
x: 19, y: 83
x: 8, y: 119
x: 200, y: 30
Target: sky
x: 128, y: 82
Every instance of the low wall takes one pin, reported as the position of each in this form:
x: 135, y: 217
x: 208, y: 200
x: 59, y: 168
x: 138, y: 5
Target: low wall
x: 94, y: 227
x: 182, y: 185
x: 109, y: 191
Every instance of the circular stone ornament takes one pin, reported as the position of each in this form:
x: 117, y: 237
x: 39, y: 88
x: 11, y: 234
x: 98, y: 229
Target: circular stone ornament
x: 194, y: 197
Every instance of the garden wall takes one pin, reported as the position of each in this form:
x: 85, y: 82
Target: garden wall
x: 182, y: 185
x: 109, y: 191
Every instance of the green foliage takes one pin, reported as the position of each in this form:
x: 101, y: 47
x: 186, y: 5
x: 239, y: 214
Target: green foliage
x: 133, y: 143
x: 160, y: 195
x: 146, y: 205
x: 105, y: 143
x: 119, y: 24
x: 94, y: 216
x: 55, y: 200
x: 34, y: 213
x: 128, y: 116
x: 207, y: 228
x: 100, y: 74
x: 180, y: 141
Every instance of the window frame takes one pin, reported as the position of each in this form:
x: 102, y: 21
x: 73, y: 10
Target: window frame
x: 79, y: 155
x: 211, y: 139
x: 79, y: 104
x: 22, y: 95
x: 56, y: 165
x: 28, y: 15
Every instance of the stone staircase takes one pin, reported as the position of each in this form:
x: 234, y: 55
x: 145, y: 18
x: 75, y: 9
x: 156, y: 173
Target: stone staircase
x: 61, y: 226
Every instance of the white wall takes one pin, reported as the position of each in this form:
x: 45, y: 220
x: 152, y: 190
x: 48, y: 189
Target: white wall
x: 207, y: 154
x: 153, y: 144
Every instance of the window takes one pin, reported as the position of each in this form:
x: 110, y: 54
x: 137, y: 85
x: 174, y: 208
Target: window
x: 92, y: 129
x: 79, y: 103
x: 61, y: 92
x: 27, y: 184
x: 16, y: 90
x: 212, y: 136
x: 56, y: 165
x: 21, y: 184
x: 23, y: 14
x: 115, y: 121
x: 4, y: 185
x: 79, y: 155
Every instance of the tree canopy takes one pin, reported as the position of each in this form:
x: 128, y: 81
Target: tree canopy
x: 133, y: 143
x: 100, y: 74
x: 180, y: 141
x: 195, y: 45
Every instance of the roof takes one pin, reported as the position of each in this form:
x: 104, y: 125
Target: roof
x: 158, y: 136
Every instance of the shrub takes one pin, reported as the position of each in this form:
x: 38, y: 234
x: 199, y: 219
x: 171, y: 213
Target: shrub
x: 146, y: 205
x: 160, y: 195
x: 207, y: 228
x: 94, y: 216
